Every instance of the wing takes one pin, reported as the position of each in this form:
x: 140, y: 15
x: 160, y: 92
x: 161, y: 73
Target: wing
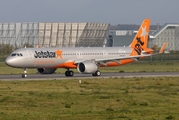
x: 114, y: 59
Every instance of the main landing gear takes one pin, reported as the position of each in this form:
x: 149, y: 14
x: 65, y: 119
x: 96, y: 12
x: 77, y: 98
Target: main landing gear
x: 97, y: 73
x: 69, y: 73
x: 24, y: 75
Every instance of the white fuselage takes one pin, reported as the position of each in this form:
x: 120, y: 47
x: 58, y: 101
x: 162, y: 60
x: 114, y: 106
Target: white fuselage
x: 51, y: 57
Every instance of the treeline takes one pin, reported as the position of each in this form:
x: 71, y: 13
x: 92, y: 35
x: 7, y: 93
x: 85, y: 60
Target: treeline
x: 6, y: 48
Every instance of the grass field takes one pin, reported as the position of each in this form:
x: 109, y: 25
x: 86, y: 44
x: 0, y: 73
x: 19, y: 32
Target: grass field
x: 133, y: 67
x: 93, y: 99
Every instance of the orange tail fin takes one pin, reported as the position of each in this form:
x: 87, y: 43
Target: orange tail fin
x: 140, y: 41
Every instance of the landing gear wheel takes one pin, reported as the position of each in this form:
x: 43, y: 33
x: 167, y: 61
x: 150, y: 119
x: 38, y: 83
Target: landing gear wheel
x: 24, y: 75
x: 93, y: 74
x: 69, y: 73
x: 97, y: 73
x: 66, y: 73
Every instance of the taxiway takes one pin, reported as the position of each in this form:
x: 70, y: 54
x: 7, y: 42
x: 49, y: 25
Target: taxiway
x: 88, y: 76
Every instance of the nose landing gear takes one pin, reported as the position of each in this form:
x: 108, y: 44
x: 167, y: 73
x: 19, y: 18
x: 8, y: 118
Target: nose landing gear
x: 24, y: 75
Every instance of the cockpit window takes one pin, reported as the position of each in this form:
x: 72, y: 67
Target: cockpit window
x: 16, y: 54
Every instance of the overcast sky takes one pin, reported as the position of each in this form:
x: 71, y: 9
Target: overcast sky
x: 107, y: 11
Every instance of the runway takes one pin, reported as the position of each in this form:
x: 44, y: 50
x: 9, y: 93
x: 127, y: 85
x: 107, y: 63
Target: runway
x: 88, y: 76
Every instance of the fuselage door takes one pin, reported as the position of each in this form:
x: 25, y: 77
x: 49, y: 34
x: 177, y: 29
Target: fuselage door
x: 105, y: 54
x: 79, y: 54
x: 121, y: 52
x: 30, y: 54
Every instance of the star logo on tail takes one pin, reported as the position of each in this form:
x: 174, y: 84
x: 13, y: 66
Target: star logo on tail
x: 58, y: 53
x: 144, y: 32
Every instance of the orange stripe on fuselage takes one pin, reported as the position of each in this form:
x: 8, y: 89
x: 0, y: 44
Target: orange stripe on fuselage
x: 66, y: 65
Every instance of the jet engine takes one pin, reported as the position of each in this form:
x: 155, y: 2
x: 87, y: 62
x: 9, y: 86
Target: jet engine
x: 87, y: 67
x: 46, y: 70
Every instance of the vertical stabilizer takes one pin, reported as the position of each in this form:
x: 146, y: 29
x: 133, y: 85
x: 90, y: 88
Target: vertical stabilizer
x: 140, y: 41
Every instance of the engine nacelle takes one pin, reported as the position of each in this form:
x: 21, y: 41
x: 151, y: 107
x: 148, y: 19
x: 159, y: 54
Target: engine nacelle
x: 87, y: 67
x: 46, y: 70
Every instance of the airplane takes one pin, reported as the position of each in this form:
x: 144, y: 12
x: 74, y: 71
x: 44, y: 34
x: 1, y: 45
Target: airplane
x: 86, y: 60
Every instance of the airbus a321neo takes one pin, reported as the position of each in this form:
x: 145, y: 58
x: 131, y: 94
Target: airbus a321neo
x: 87, y: 60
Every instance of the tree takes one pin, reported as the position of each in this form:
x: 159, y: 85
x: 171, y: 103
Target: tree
x: 6, y: 48
x: 155, y: 48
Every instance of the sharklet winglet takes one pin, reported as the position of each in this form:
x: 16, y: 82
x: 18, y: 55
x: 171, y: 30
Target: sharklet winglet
x: 163, y: 47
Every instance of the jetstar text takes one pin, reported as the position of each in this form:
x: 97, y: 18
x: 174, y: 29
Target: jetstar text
x: 42, y: 54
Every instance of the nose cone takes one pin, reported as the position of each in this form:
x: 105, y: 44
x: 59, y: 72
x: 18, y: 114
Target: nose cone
x: 9, y: 62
